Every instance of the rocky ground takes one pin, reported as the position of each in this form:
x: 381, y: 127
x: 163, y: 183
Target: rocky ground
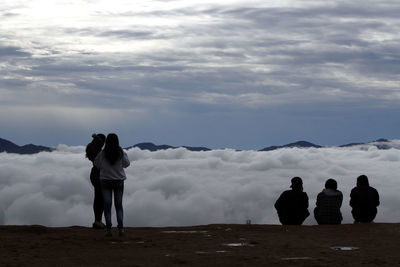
x: 209, y: 245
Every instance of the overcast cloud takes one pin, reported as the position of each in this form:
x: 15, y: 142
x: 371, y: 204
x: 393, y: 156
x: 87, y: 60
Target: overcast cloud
x: 179, y: 187
x: 256, y: 72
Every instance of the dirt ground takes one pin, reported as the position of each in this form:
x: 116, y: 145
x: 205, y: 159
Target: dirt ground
x: 210, y: 245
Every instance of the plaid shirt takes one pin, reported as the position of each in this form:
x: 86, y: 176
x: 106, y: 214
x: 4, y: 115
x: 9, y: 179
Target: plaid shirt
x: 328, y: 205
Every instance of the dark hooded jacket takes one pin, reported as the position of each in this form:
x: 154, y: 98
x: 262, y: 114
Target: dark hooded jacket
x: 364, y: 200
x: 327, y: 210
x: 292, y: 207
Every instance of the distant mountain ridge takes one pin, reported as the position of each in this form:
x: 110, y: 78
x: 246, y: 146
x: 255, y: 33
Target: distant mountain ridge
x: 10, y: 147
x: 299, y: 144
x: 152, y: 147
x: 380, y: 144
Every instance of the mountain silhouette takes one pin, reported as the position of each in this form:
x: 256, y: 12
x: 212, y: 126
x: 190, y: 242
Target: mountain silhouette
x: 10, y: 147
x: 152, y: 147
x: 300, y: 144
x: 379, y: 146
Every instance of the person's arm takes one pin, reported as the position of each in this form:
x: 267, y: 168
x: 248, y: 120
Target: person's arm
x: 97, y: 160
x: 125, y: 160
x: 352, y: 198
x: 318, y: 202
x: 305, y: 200
x: 376, y: 198
x: 278, y: 203
x: 307, y: 213
x: 340, y: 199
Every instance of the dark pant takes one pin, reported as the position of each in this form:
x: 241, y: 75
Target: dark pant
x: 363, y: 216
x: 98, y: 203
x: 108, y: 187
x: 293, y: 218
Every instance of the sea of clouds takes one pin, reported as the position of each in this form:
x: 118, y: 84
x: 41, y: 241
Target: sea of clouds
x: 180, y: 187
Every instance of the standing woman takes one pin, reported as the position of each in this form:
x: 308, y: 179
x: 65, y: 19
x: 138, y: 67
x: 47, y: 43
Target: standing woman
x: 92, y: 149
x: 111, y: 162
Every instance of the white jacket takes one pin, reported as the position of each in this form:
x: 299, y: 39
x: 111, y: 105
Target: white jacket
x: 111, y: 172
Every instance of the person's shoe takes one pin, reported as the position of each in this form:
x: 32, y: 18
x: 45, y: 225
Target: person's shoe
x: 121, y: 231
x: 109, y: 233
x: 98, y: 225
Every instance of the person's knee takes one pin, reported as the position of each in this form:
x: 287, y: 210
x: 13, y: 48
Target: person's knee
x: 118, y: 205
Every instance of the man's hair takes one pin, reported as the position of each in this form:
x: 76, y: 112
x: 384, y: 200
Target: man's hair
x: 94, y: 147
x: 362, y: 180
x: 331, y: 184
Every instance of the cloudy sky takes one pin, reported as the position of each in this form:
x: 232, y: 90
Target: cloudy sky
x: 179, y: 187
x: 239, y: 74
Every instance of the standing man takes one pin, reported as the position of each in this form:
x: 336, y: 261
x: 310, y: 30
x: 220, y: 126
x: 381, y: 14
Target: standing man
x: 292, y: 205
x: 364, y: 200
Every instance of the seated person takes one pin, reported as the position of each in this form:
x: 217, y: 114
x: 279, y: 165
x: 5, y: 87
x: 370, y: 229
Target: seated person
x: 292, y: 205
x: 364, y: 200
x: 329, y: 201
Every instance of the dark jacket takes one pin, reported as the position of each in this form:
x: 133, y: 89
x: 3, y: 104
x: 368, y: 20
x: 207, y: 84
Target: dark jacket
x: 292, y: 207
x: 364, y: 200
x: 327, y: 210
x: 92, y: 150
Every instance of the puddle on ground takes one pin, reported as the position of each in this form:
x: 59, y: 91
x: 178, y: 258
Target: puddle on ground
x: 239, y: 245
x: 115, y: 242
x: 210, y: 252
x: 296, y: 258
x: 185, y: 232
x: 345, y: 248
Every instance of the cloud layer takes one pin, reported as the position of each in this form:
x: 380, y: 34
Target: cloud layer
x: 150, y: 63
x: 179, y: 187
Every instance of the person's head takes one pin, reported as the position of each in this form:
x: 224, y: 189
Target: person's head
x: 362, y: 180
x: 94, y: 147
x: 113, y: 152
x: 112, y: 140
x: 99, y: 137
x: 331, y: 184
x: 297, y: 184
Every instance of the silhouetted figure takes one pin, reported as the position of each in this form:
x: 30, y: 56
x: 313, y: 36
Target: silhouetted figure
x: 364, y: 200
x: 92, y: 150
x: 292, y: 205
x: 111, y: 162
x: 329, y: 201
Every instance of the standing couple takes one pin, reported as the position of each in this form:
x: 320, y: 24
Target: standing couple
x: 107, y: 177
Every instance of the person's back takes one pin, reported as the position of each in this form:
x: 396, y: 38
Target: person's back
x: 111, y: 162
x: 112, y: 171
x: 364, y: 200
x: 92, y: 150
x: 329, y: 201
x: 292, y: 205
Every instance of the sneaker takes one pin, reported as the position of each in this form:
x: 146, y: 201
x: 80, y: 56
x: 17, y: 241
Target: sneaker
x: 98, y: 225
x: 121, y: 231
x: 109, y: 233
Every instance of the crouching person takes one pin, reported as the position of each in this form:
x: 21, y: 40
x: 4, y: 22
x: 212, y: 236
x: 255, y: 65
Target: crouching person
x: 292, y: 205
x: 364, y: 201
x: 329, y: 201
